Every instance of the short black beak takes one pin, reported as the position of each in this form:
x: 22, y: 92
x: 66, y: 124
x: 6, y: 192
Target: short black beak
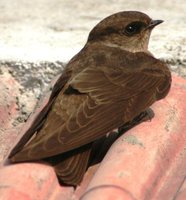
x: 154, y: 23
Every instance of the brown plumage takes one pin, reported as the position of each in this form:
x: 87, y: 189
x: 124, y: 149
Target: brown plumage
x: 108, y: 83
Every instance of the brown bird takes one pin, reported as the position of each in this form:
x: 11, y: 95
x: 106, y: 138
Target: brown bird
x: 109, y: 82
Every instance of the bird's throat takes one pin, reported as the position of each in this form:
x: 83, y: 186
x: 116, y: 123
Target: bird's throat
x: 129, y: 48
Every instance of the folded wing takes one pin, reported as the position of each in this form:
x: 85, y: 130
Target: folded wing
x: 95, y: 101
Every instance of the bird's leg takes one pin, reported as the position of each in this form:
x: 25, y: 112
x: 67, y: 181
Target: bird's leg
x: 146, y: 115
x: 102, y: 145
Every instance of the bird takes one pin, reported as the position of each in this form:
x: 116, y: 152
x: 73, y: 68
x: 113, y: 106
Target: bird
x: 108, y: 83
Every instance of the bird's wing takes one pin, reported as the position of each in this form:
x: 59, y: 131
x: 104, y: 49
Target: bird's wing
x: 95, y: 101
x: 38, y: 119
x: 139, y: 73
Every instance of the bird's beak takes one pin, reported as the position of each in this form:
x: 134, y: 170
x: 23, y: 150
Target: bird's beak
x: 154, y: 23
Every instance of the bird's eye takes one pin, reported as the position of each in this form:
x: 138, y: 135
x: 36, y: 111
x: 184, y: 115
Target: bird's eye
x: 133, y: 28
x: 130, y: 29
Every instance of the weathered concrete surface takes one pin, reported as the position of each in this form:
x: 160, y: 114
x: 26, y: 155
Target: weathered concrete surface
x: 44, y: 30
x: 9, y: 114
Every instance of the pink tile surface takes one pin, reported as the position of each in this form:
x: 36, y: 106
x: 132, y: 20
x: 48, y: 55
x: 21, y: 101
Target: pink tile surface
x: 31, y: 181
x: 148, y: 162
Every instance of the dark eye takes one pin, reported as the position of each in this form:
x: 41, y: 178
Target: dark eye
x: 133, y: 28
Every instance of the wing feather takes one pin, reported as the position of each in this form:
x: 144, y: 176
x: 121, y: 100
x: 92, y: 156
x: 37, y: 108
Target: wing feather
x: 38, y: 120
x: 108, y: 97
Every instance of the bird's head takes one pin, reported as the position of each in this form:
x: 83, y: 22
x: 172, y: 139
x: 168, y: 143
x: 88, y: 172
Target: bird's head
x: 129, y: 30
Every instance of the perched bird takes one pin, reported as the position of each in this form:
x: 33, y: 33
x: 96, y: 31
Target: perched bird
x: 108, y: 83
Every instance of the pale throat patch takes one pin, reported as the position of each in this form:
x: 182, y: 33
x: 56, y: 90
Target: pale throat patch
x: 132, y: 49
x: 141, y: 47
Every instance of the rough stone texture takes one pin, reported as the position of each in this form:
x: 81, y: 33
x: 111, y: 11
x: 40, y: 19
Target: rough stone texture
x: 9, y: 111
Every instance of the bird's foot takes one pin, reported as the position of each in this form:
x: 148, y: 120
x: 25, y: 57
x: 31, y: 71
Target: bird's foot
x: 146, y: 115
